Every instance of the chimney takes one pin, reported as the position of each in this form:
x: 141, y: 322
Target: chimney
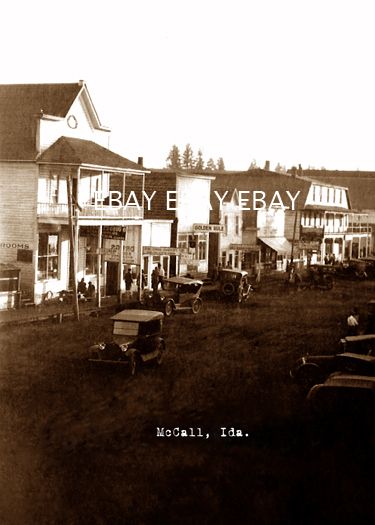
x: 140, y: 161
x: 267, y: 165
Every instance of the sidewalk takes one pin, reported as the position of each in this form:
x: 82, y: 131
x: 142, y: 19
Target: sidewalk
x: 55, y: 312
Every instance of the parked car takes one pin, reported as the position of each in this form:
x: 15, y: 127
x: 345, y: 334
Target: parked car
x: 344, y: 405
x: 136, y: 340
x: 353, y: 269
x: 178, y: 293
x: 230, y: 284
x: 358, y: 344
x: 313, y: 369
x: 319, y: 276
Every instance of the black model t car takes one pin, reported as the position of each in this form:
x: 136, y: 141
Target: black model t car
x: 177, y: 293
x: 231, y: 284
x: 313, y: 369
x: 136, y: 340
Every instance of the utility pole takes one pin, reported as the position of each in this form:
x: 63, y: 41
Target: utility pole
x: 73, y: 247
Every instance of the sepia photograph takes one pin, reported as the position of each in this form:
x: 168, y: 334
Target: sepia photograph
x: 187, y: 263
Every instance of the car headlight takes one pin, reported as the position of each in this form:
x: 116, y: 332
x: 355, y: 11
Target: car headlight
x: 124, y: 347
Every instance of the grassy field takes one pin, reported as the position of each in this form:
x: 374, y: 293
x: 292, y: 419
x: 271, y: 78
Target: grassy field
x: 79, y: 445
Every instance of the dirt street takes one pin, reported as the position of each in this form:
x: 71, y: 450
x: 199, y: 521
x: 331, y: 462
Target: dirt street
x: 80, y: 445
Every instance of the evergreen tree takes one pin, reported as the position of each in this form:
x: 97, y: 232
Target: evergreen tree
x: 174, y: 158
x: 199, y: 162
x: 188, y: 158
x: 211, y: 166
x: 220, y: 164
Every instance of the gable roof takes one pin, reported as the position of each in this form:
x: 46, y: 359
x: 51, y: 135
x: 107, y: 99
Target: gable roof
x: 21, y: 105
x: 78, y: 152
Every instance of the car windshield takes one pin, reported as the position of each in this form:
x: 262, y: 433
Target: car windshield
x: 151, y: 327
x: 230, y: 276
x: 125, y: 328
x: 169, y: 286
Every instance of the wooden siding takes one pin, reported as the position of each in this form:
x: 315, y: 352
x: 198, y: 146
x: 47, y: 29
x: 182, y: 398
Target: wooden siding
x: 18, y: 227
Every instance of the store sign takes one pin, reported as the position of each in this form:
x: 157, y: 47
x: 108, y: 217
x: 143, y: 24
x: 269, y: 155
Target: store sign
x: 160, y: 250
x: 108, y: 232
x: 313, y: 245
x: 245, y: 247
x: 210, y: 228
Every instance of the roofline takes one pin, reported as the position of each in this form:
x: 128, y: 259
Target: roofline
x: 93, y: 166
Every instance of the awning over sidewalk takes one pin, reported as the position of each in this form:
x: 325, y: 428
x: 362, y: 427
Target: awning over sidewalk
x: 281, y: 245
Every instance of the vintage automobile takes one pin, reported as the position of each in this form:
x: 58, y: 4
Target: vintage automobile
x: 177, y: 294
x: 353, y: 269
x: 345, y: 402
x: 136, y: 340
x: 358, y: 344
x: 318, y: 276
x: 231, y: 284
x: 310, y: 370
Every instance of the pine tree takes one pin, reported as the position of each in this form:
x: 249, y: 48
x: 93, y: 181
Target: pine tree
x: 211, y: 166
x: 199, y: 162
x: 220, y: 164
x: 188, y: 158
x: 174, y: 158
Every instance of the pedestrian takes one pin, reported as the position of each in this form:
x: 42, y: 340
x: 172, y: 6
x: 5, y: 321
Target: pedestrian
x: 128, y: 281
x: 353, y: 322
x: 155, y: 280
x: 161, y: 275
x: 82, y: 287
x: 90, y: 291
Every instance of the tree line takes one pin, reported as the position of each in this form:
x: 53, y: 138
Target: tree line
x: 189, y: 161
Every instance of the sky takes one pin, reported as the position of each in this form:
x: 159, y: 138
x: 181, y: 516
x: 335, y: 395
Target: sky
x: 289, y: 81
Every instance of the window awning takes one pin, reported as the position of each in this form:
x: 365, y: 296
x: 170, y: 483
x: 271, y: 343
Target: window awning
x: 281, y: 245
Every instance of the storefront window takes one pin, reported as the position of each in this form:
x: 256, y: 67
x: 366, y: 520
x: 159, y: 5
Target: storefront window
x: 91, y: 256
x: 48, y: 256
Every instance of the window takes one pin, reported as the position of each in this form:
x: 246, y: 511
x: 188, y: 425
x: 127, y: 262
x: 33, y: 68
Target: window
x: 91, y: 256
x: 226, y: 224
x: 202, y: 245
x: 48, y: 256
x: 237, y: 225
x: 53, y: 189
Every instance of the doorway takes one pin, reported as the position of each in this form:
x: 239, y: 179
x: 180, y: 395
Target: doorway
x: 111, y: 285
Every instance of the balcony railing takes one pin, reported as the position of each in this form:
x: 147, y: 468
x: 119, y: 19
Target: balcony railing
x: 358, y: 229
x: 90, y: 211
x: 47, y: 209
x: 111, y: 212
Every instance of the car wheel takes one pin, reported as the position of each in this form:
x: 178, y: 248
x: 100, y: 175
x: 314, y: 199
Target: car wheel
x: 135, y: 361
x: 309, y: 375
x: 160, y: 350
x: 196, y: 306
x: 228, y: 289
x: 168, y: 309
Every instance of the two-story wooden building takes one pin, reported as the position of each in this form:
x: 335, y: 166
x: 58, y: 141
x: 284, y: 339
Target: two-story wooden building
x: 52, y: 153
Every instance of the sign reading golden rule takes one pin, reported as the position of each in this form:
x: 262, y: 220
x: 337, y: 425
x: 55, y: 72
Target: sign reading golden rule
x: 210, y: 228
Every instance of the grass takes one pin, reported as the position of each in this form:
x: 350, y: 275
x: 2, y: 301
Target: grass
x: 80, y: 445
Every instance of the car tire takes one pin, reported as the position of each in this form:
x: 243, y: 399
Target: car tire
x: 196, y: 306
x: 309, y: 375
x: 134, y: 363
x: 228, y: 289
x: 168, y: 308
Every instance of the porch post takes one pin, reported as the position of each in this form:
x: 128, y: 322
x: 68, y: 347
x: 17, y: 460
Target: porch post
x: 99, y: 269
x: 73, y: 248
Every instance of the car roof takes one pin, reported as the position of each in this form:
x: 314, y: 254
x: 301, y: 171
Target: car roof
x: 233, y: 270
x: 363, y: 337
x: 358, y: 357
x: 349, y: 380
x: 182, y: 280
x: 139, y: 316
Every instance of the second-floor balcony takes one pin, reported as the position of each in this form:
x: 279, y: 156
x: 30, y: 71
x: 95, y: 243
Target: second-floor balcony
x: 90, y: 211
